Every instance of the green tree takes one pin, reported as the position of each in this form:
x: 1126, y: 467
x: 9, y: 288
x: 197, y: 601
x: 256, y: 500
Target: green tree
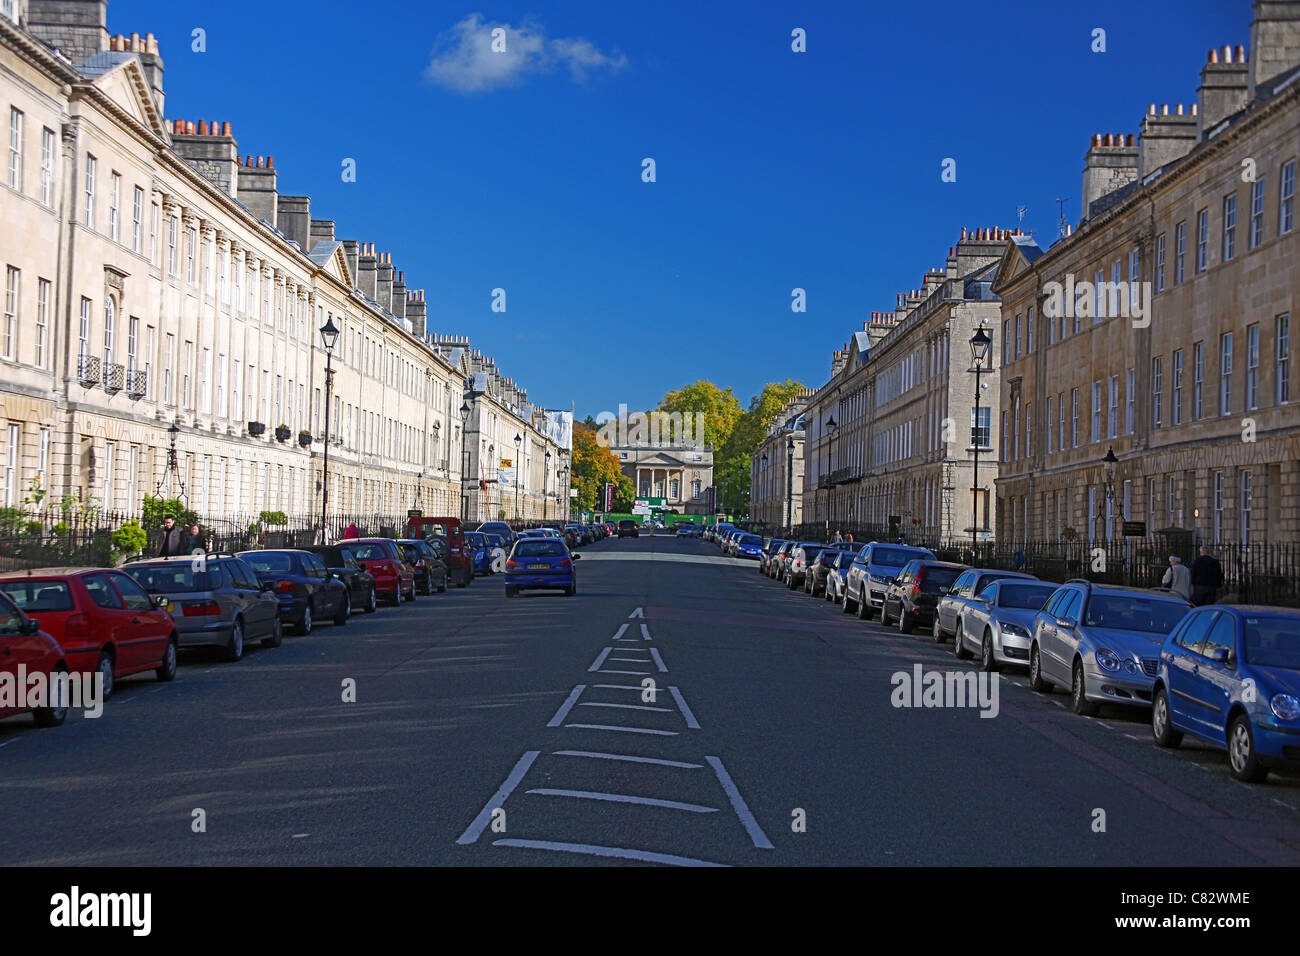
x: 721, y: 408
x: 593, y: 466
x: 731, y: 463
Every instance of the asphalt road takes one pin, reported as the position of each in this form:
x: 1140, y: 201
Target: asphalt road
x: 492, y: 732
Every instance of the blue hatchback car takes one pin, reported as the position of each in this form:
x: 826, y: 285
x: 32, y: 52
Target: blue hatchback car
x: 1231, y: 676
x: 541, y: 564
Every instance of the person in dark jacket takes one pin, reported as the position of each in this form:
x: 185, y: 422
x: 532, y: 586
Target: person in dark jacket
x: 1207, y: 578
x: 196, y: 542
x: 173, y: 540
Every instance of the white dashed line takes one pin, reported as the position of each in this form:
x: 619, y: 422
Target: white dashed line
x: 619, y: 686
x: 607, y: 851
x: 645, y: 633
x: 624, y: 798
x: 659, y: 661
x: 625, y: 730
x: 566, y: 706
x: 738, y: 804
x: 621, y: 631
x: 691, y: 722
x: 596, y: 755
x: 476, y: 828
x: 631, y: 673
x: 600, y: 659
x: 637, y: 613
x: 594, y: 703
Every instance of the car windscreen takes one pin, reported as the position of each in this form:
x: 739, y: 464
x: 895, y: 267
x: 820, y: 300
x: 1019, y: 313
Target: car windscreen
x: 751, y: 539
x: 1133, y: 613
x: 172, y: 578
x: 1273, y: 641
x: 369, y: 552
x: 475, y: 539
x: 422, y: 548
x: 269, y: 562
x: 539, y: 548
x: 330, y: 557
x: 893, y: 557
x: 36, y: 597
x: 1029, y: 596
x: 934, y: 580
x: 627, y: 524
x: 810, y: 552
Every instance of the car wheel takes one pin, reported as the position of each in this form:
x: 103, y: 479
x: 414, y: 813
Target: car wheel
x: 864, y: 607
x: 846, y: 605
x: 905, y: 621
x: 986, y: 653
x: 511, y: 591
x: 51, y: 716
x: 959, y: 650
x: 104, y: 671
x: 411, y: 594
x: 345, y: 610
x: 571, y: 590
x: 235, y: 646
x: 167, y: 669
x: 305, y: 622
x: 939, y: 636
x: 277, y: 635
x: 1079, y: 702
x: 442, y: 583
x: 1036, y: 681
x: 1162, y: 727
x: 1242, y: 759
x: 372, y: 602
x: 884, y: 614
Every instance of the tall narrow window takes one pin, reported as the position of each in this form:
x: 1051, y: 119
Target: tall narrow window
x: 83, y: 334
x: 1051, y: 432
x: 1244, y: 489
x: 1229, y: 227
x: 110, y: 321
x: 43, y: 291
x: 115, y: 207
x: 1112, y: 419
x: 153, y: 234
x: 1099, y: 297
x: 9, y: 319
x: 187, y: 370
x: 1160, y: 262
x: 1202, y: 239
x: 132, y: 343
x: 1256, y: 213
x: 1282, y: 359
x: 1134, y: 277
x: 12, y: 433
x: 47, y: 166
x: 1029, y: 330
x: 191, y: 251
x: 1130, y: 400
x: 172, y: 237
x: 1286, y: 201
x: 1157, y: 390
x: 1060, y: 404
x: 89, y: 207
x: 15, y: 148
x: 1252, y: 367
x: 1225, y: 373
x: 1198, y: 381
x: 169, y: 363
x: 1180, y: 251
x: 1176, y: 402
x: 1074, y: 418
x: 137, y: 220
x: 1096, y: 411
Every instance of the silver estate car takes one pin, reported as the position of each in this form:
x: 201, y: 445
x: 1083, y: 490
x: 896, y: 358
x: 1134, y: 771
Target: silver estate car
x: 1103, y: 642
x: 947, y: 616
x: 215, y: 600
x: 997, y: 622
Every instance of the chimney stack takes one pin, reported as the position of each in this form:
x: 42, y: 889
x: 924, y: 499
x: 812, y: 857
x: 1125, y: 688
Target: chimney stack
x: 211, y: 150
x: 368, y: 271
x: 78, y: 28
x: 1166, y: 137
x: 256, y: 187
x: 294, y: 220
x: 1274, y: 43
x: 417, y: 311
x: 1110, y: 164
x: 1224, y: 87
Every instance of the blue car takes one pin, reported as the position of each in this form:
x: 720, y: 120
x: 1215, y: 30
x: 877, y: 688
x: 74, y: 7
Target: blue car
x: 1231, y: 676
x: 749, y: 546
x: 476, y: 544
x: 541, y: 564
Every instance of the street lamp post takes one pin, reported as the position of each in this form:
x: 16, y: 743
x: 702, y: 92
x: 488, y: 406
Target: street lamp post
x: 518, y: 443
x: 830, y: 485
x: 1111, y: 463
x: 546, y: 487
x: 329, y: 335
x: 979, y: 350
x: 764, y: 488
x: 464, y: 462
x: 789, y: 482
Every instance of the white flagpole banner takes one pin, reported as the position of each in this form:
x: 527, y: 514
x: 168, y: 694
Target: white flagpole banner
x: 559, y: 427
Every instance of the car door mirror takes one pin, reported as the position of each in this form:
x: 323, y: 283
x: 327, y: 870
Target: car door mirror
x: 575, y: 556
x: 264, y: 585
x: 1219, y: 655
x: 1064, y: 622
x: 161, y: 600
x: 30, y: 626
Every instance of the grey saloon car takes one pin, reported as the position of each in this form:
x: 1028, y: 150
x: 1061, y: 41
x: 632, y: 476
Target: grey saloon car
x: 947, y: 618
x: 216, y: 600
x: 997, y: 622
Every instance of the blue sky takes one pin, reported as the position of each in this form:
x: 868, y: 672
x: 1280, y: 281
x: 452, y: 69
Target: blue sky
x: 775, y: 169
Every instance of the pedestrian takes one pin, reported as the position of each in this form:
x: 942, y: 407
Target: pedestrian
x: 351, y: 531
x: 1178, y: 578
x: 172, y: 540
x: 1207, y: 578
x: 849, y: 537
x: 838, y: 537
x: 196, y: 542
x: 1020, y: 558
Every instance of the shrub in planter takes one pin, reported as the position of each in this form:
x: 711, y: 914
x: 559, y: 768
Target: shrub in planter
x: 130, y: 539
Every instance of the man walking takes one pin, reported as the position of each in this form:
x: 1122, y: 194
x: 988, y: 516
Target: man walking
x: 1178, y: 578
x: 838, y: 537
x: 173, y: 542
x: 1207, y: 578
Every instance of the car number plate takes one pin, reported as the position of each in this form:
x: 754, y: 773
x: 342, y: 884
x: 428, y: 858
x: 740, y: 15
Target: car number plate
x: 538, y: 567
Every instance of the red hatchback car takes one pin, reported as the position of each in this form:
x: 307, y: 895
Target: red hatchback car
x: 382, y: 558
x: 101, y: 617
x: 26, y: 649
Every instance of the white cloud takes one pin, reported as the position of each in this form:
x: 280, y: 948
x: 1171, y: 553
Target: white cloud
x: 464, y: 61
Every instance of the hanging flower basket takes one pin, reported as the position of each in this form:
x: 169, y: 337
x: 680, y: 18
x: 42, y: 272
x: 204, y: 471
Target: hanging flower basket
x: 282, y: 433
x: 304, y: 438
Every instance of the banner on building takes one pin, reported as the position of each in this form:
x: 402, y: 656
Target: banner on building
x: 559, y: 427
x: 506, y: 473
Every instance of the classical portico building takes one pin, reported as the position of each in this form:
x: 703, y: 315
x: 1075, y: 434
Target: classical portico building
x: 681, y: 475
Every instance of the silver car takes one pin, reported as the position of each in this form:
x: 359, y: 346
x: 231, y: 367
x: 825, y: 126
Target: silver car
x: 216, y: 600
x: 874, y: 570
x: 947, y: 617
x: 838, y: 572
x: 1103, y: 642
x: 998, y: 621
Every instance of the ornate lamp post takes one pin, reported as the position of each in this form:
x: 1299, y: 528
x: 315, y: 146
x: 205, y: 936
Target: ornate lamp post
x: 329, y: 335
x: 464, y: 464
x: 519, y: 440
x: 979, y: 350
x: 1111, y: 464
x: 789, y: 482
x: 830, y: 485
x: 546, y: 487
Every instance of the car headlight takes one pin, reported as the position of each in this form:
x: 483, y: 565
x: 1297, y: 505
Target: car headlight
x: 1014, y: 630
x: 1285, y: 706
x: 1108, y: 659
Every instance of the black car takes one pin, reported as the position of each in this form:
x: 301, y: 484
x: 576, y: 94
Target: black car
x: 627, y: 528
x: 914, y: 595
x: 303, y: 586
x: 343, y: 564
x: 429, y: 563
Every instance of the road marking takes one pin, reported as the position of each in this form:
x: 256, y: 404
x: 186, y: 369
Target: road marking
x: 618, y: 635
x: 623, y: 798
x: 600, y: 659
x: 625, y: 730
x: 691, y: 722
x: 620, y: 686
x: 632, y: 673
x: 629, y: 660
x: 8, y: 742
x: 476, y: 828
x: 1106, y: 725
x: 659, y: 661
x: 596, y: 755
x: 645, y: 633
x: 1283, y: 803
x: 637, y: 613
x: 662, y: 710
x: 567, y: 706
x: 607, y: 851
x: 738, y: 804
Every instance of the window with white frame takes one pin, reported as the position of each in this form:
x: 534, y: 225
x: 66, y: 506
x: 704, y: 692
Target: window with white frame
x: 89, y: 205
x: 1286, y: 200
x: 83, y: 333
x: 1157, y: 391
x: 1074, y: 418
x: 1029, y: 330
x: 1202, y: 239
x: 1060, y: 404
x: 1096, y: 411
x: 1134, y: 277
x: 9, y: 319
x: 191, y: 254
x: 47, y: 166
x: 1282, y: 359
x: 1051, y: 420
x: 1198, y: 381
x: 15, y: 148
x: 1160, y: 262
x: 1252, y: 366
x: 1225, y: 373
x: 12, y: 433
x: 1130, y: 400
x: 110, y: 323
x: 137, y: 220
x: 173, y: 230
x: 1112, y: 418
x: 1229, y: 226
x: 1180, y: 252
x: 1256, y: 213
x: 132, y: 343
x: 1176, y: 401
x: 168, y: 364
x: 115, y: 207
x: 43, y: 293
x: 1244, y: 494
x: 153, y: 234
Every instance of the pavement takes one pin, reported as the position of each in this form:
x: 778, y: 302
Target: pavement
x: 680, y: 709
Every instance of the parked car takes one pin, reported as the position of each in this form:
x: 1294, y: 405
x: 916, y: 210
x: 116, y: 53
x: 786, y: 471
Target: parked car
x: 1231, y: 676
x: 541, y: 563
x: 776, y: 564
x: 947, y: 618
x: 627, y: 528
x: 476, y: 542
x: 748, y: 546
x: 687, y: 530
x: 801, y: 557
x: 343, y: 564
x: 23, y: 644
x: 872, y: 571
x: 838, y: 573
x: 382, y: 558
x: 770, y: 546
x: 498, y: 527
x: 101, y: 618
x: 1102, y: 641
x: 914, y: 595
x: 303, y: 586
x: 445, y: 535
x: 814, y: 581
x: 216, y: 600
x: 428, y: 561
x: 998, y: 621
